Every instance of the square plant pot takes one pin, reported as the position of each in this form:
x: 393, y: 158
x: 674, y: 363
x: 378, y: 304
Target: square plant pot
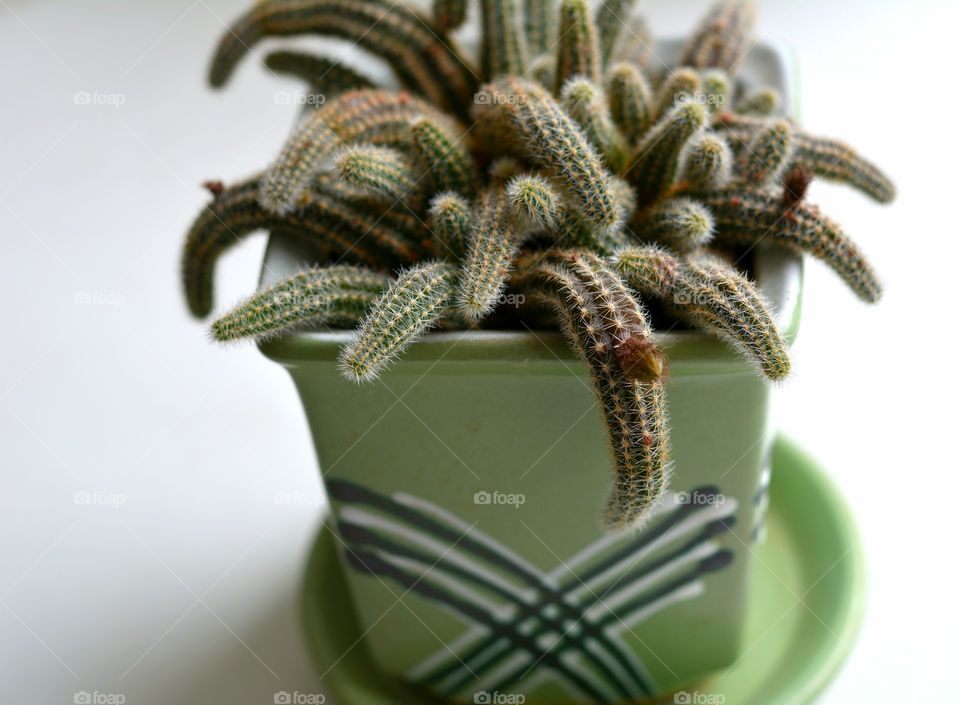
x: 467, y: 486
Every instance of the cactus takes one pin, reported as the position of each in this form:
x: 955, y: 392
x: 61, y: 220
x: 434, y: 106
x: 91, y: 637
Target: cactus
x: 578, y: 53
x: 335, y: 295
x: 503, y: 50
x: 707, y: 162
x: 587, y: 105
x: 656, y: 163
x: 762, y: 103
x: 450, y: 217
x: 534, y: 202
x: 722, y: 37
x: 493, y: 244
x: 680, y: 224
x: 631, y: 101
x: 556, y: 144
x: 448, y: 15
x: 424, y: 63
x: 743, y: 217
x: 610, y: 19
x: 444, y: 155
x: 401, y: 314
x: 326, y: 79
x: 768, y: 154
x: 576, y: 183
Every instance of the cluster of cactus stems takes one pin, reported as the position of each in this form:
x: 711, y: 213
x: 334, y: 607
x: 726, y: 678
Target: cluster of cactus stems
x: 558, y: 164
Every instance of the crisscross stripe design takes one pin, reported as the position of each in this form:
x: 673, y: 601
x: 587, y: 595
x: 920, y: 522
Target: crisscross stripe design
x: 526, y: 625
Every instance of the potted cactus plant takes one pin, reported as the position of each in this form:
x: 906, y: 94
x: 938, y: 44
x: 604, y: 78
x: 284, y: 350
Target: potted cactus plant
x: 583, y: 233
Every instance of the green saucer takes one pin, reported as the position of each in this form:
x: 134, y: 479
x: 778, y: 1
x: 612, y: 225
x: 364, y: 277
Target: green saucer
x: 807, y: 598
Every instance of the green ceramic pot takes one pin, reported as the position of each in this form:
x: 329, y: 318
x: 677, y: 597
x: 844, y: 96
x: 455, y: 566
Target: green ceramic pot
x: 467, y: 486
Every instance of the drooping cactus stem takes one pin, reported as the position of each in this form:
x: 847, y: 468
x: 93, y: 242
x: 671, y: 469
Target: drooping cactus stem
x: 578, y: 53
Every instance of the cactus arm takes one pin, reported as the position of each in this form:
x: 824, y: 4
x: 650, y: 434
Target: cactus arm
x: 631, y: 101
x: 716, y: 89
x: 324, y: 77
x: 649, y: 269
x: 760, y: 103
x: 680, y: 86
x: 634, y: 410
x: 539, y: 24
x: 380, y: 170
x: 449, y: 15
x: 768, y: 154
x: 555, y: 144
x: 634, y: 43
x: 714, y: 296
x: 450, y: 220
x: 656, y: 163
x: 578, y: 53
x: 444, y: 155
x: 707, y: 163
x: 380, y: 118
x: 722, y: 38
x: 493, y: 244
x: 408, y: 42
x: 610, y: 18
x: 834, y: 160
x: 680, y: 224
x: 743, y: 217
x: 336, y: 294
x: 585, y: 103
x: 503, y: 51
x: 534, y: 202
x: 409, y: 307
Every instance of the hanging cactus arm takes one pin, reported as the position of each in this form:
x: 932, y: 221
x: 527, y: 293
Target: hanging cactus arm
x: 493, y: 245
x: 835, y: 161
x: 326, y: 79
x: 744, y: 217
x: 649, y: 269
x: 713, y: 295
x: 722, y: 38
x: 409, y: 307
x: 338, y: 294
x: 634, y: 410
x: 423, y: 62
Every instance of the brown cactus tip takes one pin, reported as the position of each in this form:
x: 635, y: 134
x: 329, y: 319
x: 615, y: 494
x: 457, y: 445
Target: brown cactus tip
x: 641, y: 359
x: 214, y: 186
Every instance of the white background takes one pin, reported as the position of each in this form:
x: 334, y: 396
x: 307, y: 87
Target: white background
x: 186, y: 592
